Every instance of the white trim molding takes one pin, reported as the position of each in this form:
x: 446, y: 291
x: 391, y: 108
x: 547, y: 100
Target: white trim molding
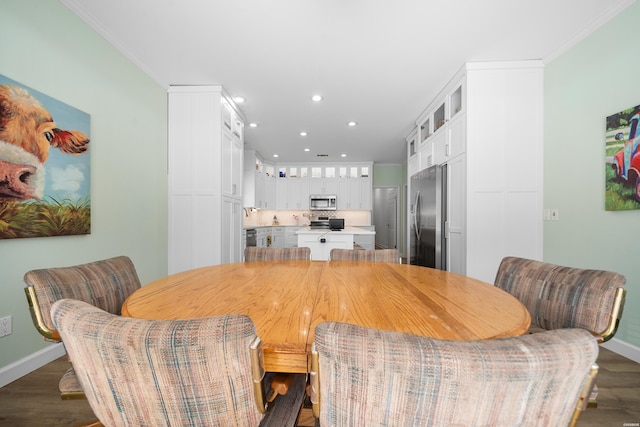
x: 30, y: 363
x: 623, y: 349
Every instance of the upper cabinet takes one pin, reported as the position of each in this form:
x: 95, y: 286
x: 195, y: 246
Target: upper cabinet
x: 206, y: 150
x: 292, y: 184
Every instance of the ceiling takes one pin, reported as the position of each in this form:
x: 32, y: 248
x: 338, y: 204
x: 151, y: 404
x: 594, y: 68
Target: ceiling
x: 375, y: 62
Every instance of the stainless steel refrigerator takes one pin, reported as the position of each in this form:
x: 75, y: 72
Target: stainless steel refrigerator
x: 427, y: 218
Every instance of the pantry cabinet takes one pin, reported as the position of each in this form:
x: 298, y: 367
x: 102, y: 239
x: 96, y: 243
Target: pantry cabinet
x: 205, y: 177
x: 486, y: 126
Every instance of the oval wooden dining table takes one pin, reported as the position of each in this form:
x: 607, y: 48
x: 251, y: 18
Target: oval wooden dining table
x: 287, y: 299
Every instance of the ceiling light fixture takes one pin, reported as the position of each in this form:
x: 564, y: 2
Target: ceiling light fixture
x: 316, y: 98
x: 253, y: 125
x: 352, y: 124
x: 307, y: 149
x: 303, y: 133
x: 238, y: 99
x: 275, y: 155
x: 343, y: 155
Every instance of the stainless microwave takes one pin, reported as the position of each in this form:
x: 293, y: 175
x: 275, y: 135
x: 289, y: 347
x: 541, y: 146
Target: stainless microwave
x: 323, y: 202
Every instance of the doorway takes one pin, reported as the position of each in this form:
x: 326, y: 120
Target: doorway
x: 385, y: 216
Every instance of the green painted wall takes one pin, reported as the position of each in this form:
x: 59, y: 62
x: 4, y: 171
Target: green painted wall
x: 45, y: 46
x: 594, y: 79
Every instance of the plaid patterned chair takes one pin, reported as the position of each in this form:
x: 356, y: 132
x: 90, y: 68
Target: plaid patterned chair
x: 197, y: 372
x: 369, y: 377
x: 564, y: 297
x: 104, y: 284
x: 253, y: 253
x: 377, y: 255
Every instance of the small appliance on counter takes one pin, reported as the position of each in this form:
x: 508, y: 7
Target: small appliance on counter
x: 336, y: 224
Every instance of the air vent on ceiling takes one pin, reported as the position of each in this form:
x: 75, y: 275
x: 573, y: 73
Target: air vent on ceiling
x: 322, y: 155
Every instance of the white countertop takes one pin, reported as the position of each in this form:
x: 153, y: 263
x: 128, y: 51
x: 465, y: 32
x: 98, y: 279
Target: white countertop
x: 347, y: 230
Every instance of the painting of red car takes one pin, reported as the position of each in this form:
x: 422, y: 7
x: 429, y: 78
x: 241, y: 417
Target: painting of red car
x: 626, y: 162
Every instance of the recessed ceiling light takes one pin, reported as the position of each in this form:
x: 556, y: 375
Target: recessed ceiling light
x: 316, y: 98
x: 352, y: 124
x: 343, y: 155
x: 275, y: 155
x: 303, y: 133
x: 307, y: 149
x: 253, y: 125
x: 238, y: 99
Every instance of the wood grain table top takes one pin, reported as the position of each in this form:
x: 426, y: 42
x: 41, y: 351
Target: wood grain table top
x: 288, y: 299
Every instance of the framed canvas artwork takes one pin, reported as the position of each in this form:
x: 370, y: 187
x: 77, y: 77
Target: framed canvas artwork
x: 622, y: 186
x: 44, y: 165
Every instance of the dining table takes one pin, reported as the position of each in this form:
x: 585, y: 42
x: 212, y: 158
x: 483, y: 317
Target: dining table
x: 287, y: 299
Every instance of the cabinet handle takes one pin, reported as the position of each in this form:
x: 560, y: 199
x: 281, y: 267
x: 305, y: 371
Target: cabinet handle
x: 233, y: 189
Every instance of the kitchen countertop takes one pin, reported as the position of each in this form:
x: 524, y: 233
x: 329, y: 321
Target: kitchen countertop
x: 347, y: 230
x: 250, y: 227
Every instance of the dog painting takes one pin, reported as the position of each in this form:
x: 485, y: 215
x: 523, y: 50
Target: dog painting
x: 44, y: 165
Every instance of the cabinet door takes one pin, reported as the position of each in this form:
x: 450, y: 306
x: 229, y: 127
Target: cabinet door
x: 298, y: 196
x: 456, y: 215
x: 440, y: 146
x: 282, y: 194
x: 231, y: 235
x: 366, y: 194
x: 269, y: 192
x: 237, y: 162
x: 344, y: 194
x: 260, y: 190
x: 457, y: 136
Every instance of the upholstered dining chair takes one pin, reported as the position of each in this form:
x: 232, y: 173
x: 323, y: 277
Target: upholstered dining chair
x: 374, y: 255
x: 565, y: 297
x: 104, y: 284
x: 195, y: 372
x: 362, y: 376
x: 253, y: 253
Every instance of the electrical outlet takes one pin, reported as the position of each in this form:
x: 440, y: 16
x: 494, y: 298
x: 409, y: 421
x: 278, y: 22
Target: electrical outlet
x: 5, y: 326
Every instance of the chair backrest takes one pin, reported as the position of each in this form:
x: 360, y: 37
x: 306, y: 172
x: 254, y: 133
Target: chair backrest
x: 104, y: 284
x: 253, y: 253
x: 138, y: 372
x: 363, y: 376
x: 372, y: 255
x: 565, y: 297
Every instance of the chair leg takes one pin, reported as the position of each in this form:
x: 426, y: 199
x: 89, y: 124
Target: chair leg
x: 593, y: 398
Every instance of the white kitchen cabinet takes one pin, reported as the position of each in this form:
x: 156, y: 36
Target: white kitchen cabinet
x: 491, y: 142
x: 277, y: 237
x: 292, y: 194
x: 205, y: 143
x: 232, y: 249
x: 263, y: 236
x: 290, y: 237
x: 320, y: 249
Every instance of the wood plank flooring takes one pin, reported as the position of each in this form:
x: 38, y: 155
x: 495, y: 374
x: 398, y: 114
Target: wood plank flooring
x: 34, y: 401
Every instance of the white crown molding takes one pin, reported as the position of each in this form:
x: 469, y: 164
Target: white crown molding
x: 606, y: 17
x: 76, y: 7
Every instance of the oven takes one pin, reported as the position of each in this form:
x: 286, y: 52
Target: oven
x: 251, y: 237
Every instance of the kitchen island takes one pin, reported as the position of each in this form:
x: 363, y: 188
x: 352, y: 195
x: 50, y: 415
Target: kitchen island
x: 321, y: 241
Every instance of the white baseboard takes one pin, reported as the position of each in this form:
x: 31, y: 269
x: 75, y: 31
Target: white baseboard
x: 30, y: 363
x: 623, y: 349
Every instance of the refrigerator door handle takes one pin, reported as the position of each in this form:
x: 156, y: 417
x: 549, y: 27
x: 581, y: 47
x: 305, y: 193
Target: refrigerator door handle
x: 416, y: 216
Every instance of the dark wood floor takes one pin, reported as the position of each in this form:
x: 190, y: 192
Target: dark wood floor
x: 34, y: 400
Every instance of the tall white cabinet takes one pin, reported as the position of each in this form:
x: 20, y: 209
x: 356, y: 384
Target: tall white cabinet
x: 206, y: 150
x: 486, y: 126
